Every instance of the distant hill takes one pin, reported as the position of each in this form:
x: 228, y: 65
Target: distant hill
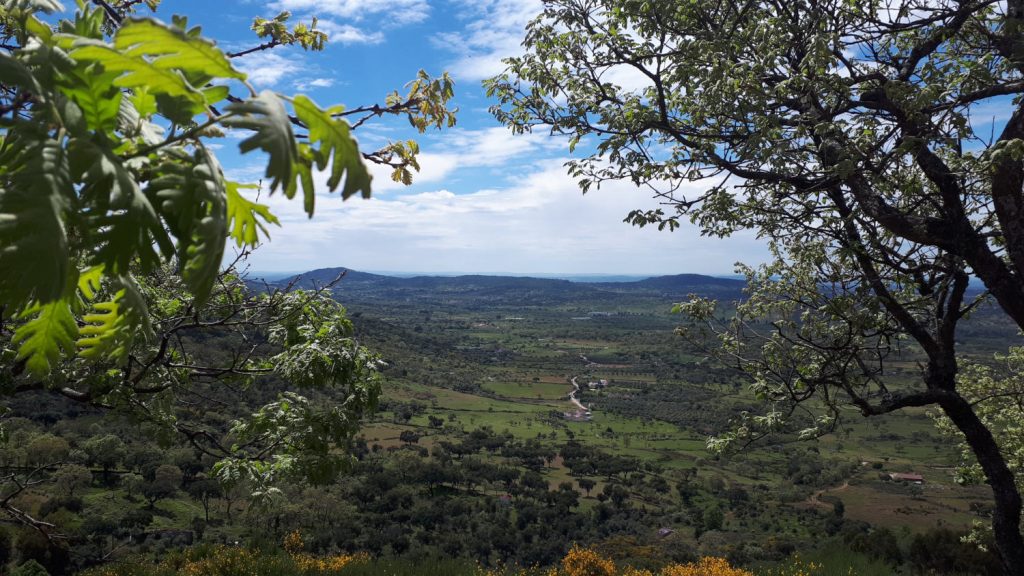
x: 323, y: 276
x: 358, y: 286
x: 683, y: 284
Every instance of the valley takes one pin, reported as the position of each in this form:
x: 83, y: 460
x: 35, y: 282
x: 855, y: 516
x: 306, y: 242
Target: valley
x: 465, y: 354
x: 520, y: 416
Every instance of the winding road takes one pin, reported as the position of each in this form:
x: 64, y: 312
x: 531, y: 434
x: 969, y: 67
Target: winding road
x: 573, y: 396
x: 815, y: 499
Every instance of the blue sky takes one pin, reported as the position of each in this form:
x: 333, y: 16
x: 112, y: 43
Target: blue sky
x: 485, y: 201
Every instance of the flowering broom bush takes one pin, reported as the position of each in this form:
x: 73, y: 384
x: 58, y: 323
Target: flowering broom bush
x: 296, y: 561
x: 587, y: 562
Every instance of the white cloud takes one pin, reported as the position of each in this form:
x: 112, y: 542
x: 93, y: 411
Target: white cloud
x: 272, y: 69
x: 628, y: 78
x: 494, y: 30
x: 266, y: 69
x: 398, y: 12
x: 303, y: 85
x: 489, y: 147
x: 348, y: 34
x: 539, y: 223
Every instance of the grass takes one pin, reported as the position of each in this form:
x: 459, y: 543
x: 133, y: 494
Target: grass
x: 529, y: 390
x: 891, y: 505
x: 836, y: 560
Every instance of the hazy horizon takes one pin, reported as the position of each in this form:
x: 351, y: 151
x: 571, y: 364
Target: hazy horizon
x: 597, y: 276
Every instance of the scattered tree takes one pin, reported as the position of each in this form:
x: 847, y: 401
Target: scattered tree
x: 106, y: 451
x: 586, y: 484
x: 848, y: 136
x: 71, y: 478
x: 132, y: 484
x: 203, y: 490
x: 713, y: 518
x: 47, y: 449
x: 165, y: 483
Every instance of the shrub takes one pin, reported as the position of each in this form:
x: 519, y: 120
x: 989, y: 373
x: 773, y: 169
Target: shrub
x: 586, y: 562
x: 706, y: 566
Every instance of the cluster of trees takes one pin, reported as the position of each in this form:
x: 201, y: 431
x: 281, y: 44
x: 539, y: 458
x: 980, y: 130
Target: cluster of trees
x: 691, y: 405
x: 113, y: 488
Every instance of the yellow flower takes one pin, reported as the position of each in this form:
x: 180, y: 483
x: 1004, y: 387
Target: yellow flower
x: 293, y: 543
x: 586, y: 562
x: 707, y: 566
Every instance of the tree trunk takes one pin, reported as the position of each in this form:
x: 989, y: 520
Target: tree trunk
x: 1007, y: 513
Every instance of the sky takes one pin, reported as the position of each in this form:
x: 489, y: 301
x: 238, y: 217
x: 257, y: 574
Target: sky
x: 485, y: 201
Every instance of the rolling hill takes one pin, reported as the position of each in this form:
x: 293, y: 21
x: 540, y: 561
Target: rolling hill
x: 358, y: 286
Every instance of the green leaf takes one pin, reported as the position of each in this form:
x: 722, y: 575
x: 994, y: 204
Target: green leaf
x: 15, y: 73
x: 133, y: 302
x: 172, y: 49
x: 97, y: 97
x: 266, y: 116
x: 133, y: 121
x: 175, y: 195
x: 337, y: 149
x: 305, y: 173
x: 242, y: 216
x: 202, y: 258
x: 145, y: 103
x: 103, y: 333
x: 34, y: 255
x: 36, y: 27
x: 136, y: 71
x: 191, y: 196
x: 46, y: 337
x: 215, y: 94
x: 89, y: 281
x: 111, y: 327
x: 124, y: 222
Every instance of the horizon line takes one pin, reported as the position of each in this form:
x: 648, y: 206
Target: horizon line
x: 446, y: 274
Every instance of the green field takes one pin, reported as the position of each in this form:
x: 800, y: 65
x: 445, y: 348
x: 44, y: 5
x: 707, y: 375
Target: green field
x: 517, y: 383
x: 528, y: 390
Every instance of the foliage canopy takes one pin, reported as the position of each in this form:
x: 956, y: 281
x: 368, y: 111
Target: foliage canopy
x: 107, y: 174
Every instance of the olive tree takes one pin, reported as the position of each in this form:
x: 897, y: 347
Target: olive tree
x: 857, y: 139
